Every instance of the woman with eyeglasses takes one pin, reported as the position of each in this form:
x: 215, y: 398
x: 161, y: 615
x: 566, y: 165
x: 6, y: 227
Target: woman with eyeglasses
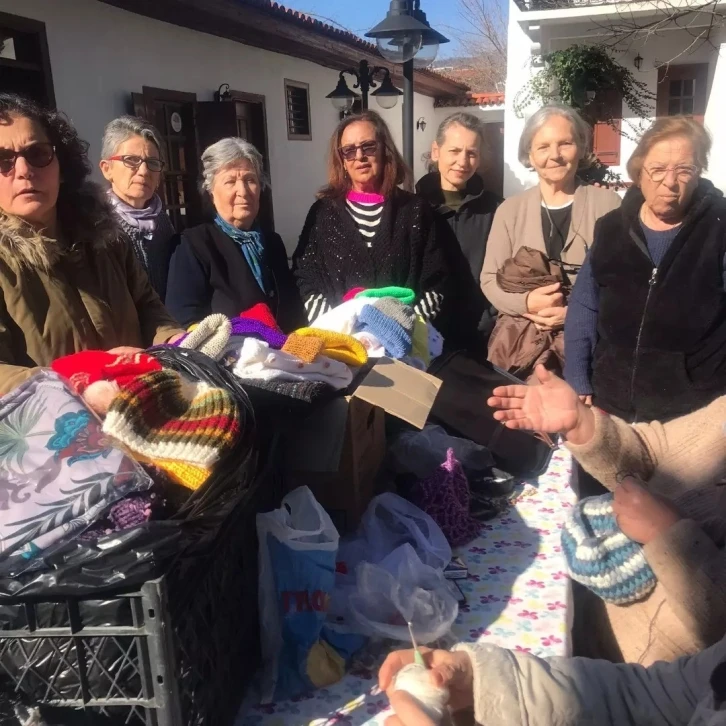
x: 68, y: 281
x: 645, y: 333
x: 132, y: 163
x: 365, y: 231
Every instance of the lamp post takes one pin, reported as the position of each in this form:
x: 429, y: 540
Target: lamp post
x: 386, y: 94
x: 405, y: 37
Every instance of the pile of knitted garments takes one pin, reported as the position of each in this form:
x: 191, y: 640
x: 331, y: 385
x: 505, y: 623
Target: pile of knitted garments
x: 600, y: 557
x: 179, y: 426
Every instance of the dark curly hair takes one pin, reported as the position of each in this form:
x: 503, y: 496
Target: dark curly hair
x: 71, y: 151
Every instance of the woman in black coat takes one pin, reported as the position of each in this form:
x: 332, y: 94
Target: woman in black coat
x: 231, y: 264
x: 366, y: 232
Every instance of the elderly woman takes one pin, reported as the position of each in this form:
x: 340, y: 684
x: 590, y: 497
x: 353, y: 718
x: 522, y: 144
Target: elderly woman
x: 646, y: 329
x: 231, y: 264
x: 364, y: 231
x: 556, y: 217
x: 671, y: 501
x: 68, y: 282
x: 131, y: 161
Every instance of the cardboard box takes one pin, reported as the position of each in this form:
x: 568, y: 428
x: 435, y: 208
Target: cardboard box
x: 341, y: 448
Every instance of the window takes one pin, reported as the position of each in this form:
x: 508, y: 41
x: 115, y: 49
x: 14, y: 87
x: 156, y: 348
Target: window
x: 682, y: 90
x: 607, y: 107
x: 297, y: 102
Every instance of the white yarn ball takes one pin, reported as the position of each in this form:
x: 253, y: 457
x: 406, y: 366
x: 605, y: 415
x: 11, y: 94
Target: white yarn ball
x: 415, y: 679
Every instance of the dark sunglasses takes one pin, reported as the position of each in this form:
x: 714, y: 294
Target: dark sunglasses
x: 37, y: 155
x: 349, y: 153
x: 134, y: 162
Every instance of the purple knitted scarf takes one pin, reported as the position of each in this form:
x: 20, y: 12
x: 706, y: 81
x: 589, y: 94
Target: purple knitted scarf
x: 254, y: 328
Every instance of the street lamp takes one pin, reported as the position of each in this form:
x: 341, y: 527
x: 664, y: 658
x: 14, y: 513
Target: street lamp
x: 386, y: 95
x: 406, y: 37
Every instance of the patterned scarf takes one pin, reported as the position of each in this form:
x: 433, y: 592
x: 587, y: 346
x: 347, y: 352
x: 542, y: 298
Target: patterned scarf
x: 252, y: 245
x: 144, y: 219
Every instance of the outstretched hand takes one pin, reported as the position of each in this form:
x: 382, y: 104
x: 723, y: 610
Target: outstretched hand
x: 550, y: 407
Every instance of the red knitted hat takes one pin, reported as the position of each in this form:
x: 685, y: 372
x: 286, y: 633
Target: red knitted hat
x: 352, y: 293
x: 262, y: 314
x: 89, y: 366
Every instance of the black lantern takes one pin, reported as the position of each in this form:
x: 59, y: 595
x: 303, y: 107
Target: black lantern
x: 386, y: 95
x: 638, y: 61
x: 342, y: 97
x: 421, y: 124
x: 223, y: 93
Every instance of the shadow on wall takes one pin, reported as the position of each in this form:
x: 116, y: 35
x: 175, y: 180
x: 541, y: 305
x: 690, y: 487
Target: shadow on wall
x: 513, y: 183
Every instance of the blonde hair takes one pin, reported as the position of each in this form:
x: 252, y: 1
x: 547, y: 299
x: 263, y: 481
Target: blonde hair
x: 667, y: 128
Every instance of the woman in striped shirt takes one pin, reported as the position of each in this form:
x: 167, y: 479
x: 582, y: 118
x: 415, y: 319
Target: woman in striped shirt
x: 364, y: 231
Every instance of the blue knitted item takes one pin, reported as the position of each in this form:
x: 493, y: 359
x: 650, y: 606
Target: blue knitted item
x: 392, y: 336
x: 600, y: 557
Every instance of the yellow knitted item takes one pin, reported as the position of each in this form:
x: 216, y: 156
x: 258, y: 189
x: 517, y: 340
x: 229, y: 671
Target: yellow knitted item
x: 192, y: 327
x: 306, y: 348
x: 337, y: 346
x: 420, y: 347
x: 189, y: 476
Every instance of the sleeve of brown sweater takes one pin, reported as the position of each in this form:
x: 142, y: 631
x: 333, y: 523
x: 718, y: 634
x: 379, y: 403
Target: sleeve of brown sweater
x: 690, y: 450
x: 692, y: 569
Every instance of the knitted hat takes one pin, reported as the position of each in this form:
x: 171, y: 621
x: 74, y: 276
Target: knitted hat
x: 188, y: 475
x: 209, y: 336
x: 337, y: 346
x: 352, y: 293
x: 601, y: 557
x: 342, y: 318
x: 308, y: 391
x: 262, y: 314
x: 91, y: 366
x: 307, y: 349
x: 404, y: 294
x: 404, y: 315
x: 445, y: 497
x: 161, y: 416
x: 392, y: 335
x: 251, y: 327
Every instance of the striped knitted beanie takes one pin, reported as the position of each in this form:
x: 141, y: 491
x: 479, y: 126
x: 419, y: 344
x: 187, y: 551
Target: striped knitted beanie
x: 600, y: 557
x: 161, y: 416
x: 396, y: 339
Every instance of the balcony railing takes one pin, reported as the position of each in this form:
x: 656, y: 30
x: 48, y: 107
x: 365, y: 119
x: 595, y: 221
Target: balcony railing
x: 561, y: 4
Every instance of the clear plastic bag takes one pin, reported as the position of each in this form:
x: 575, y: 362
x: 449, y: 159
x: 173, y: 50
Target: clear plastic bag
x: 399, y: 590
x: 422, y: 452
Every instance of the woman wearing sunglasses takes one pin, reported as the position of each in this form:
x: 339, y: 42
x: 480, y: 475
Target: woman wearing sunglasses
x: 131, y: 161
x: 68, y: 282
x: 364, y: 231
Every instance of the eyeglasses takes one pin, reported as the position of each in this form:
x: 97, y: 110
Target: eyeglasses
x: 134, y: 162
x: 37, y: 155
x: 349, y: 153
x: 684, y: 174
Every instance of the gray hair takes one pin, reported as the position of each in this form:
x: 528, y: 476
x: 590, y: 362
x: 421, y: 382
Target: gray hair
x: 580, y: 129
x: 230, y: 152
x: 467, y: 120
x: 122, y: 129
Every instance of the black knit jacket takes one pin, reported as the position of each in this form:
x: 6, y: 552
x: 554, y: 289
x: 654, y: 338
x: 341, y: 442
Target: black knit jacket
x: 411, y: 249
x: 661, y: 350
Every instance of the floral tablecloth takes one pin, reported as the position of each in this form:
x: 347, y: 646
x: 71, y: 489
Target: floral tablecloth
x: 517, y: 597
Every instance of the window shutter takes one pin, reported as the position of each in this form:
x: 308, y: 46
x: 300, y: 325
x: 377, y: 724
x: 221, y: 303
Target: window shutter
x: 297, y: 99
x: 606, y: 135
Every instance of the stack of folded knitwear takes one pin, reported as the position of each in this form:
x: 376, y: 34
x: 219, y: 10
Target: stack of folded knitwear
x: 305, y: 365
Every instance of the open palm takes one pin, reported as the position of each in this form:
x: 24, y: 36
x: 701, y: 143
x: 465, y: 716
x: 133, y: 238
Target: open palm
x: 551, y: 407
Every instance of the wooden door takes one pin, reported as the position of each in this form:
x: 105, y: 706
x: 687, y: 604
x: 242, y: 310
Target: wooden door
x: 606, y: 112
x: 173, y: 113
x: 492, y: 167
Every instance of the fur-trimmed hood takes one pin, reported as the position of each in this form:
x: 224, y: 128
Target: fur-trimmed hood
x: 87, y: 222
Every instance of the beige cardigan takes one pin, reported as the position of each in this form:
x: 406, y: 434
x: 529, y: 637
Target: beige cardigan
x: 518, y: 223
x: 683, y: 460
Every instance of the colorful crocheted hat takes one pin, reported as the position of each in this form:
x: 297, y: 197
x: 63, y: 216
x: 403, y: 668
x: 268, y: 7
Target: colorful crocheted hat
x: 445, y: 496
x: 600, y: 557
x: 338, y: 346
x: 393, y: 336
x: 404, y: 294
x: 163, y: 417
x: 250, y: 327
x: 262, y: 314
x: 209, y: 336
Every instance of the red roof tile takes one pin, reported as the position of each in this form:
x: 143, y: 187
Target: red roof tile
x: 471, y: 99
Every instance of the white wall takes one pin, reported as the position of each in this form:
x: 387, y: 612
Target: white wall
x: 100, y: 55
x: 657, y: 49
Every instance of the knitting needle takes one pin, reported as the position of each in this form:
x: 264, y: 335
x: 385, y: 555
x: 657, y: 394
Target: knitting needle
x: 417, y: 657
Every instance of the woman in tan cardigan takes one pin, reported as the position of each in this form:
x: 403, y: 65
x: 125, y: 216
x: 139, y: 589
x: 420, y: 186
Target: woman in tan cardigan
x: 670, y: 496
x: 556, y: 217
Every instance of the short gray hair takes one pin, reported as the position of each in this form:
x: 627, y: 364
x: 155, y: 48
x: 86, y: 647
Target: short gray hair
x: 122, y: 129
x: 230, y: 152
x: 467, y: 120
x: 580, y: 129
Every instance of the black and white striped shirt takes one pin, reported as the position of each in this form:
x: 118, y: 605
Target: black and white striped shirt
x: 366, y: 211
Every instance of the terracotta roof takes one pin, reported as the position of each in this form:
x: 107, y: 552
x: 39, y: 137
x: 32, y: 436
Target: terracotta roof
x: 471, y: 99
x: 344, y: 36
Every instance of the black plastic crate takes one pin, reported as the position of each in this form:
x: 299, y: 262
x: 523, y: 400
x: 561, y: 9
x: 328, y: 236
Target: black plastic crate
x: 179, y: 651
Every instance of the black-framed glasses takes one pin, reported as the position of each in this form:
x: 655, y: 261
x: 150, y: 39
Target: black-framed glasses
x: 132, y: 161
x: 684, y: 173
x: 350, y: 152
x: 38, y: 155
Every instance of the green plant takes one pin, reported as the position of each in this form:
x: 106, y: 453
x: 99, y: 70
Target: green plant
x: 573, y: 75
